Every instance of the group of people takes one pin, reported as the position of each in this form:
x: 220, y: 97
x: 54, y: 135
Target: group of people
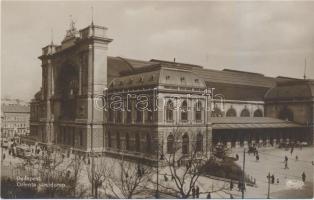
x: 195, y: 192
x: 271, y: 179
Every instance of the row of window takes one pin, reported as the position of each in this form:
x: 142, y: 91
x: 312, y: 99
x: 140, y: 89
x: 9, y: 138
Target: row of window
x: 198, y: 107
x: 115, y: 141
x: 185, y: 143
x: 231, y: 112
x: 172, y: 145
x: 7, y: 118
x: 69, y: 136
x: 9, y: 125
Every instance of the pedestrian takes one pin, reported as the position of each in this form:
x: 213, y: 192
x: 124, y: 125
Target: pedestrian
x: 286, y: 158
x: 291, y: 150
x: 272, y: 179
x: 257, y: 157
x: 209, y: 195
x: 303, y: 177
x: 193, y: 192
x: 231, y: 184
x: 254, y: 181
x: 197, y: 191
x: 237, y: 157
x: 312, y: 162
x: 286, y: 165
x: 277, y: 180
x: 3, y: 156
x: 296, y: 158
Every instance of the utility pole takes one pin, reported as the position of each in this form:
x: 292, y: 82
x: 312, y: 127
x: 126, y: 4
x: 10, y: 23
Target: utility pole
x: 157, y: 187
x: 243, y: 175
x: 268, y: 177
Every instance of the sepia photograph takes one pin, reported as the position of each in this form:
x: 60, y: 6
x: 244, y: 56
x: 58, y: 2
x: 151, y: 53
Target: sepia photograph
x: 157, y: 99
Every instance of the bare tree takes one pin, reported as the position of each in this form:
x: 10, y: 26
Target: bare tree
x: 51, y: 170
x: 75, y: 166
x: 98, y: 173
x: 128, y: 178
x: 182, y: 164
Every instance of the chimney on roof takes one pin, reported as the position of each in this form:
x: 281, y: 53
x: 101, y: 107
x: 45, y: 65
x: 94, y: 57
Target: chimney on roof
x: 174, y: 60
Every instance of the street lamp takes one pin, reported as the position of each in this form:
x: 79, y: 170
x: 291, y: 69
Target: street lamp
x: 161, y: 158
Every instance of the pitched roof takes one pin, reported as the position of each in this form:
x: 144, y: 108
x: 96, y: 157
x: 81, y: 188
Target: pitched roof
x: 292, y: 89
x: 250, y: 122
x: 236, y: 77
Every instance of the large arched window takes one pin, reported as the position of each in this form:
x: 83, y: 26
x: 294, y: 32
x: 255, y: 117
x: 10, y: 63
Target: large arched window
x: 245, y: 113
x: 258, y: 113
x: 286, y: 114
x: 198, y: 111
x: 231, y: 113
x: 137, y: 142
x: 170, y: 144
x: 127, y: 141
x: 185, y: 144
x: 184, y: 111
x: 216, y: 112
x: 199, y: 142
x: 169, y: 111
x: 118, y: 140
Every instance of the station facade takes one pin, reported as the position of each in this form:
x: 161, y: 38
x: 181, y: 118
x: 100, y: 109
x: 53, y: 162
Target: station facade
x: 207, y: 107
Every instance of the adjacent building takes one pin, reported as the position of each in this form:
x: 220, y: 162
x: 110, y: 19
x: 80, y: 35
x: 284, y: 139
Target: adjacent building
x: 14, y: 118
x: 81, y: 83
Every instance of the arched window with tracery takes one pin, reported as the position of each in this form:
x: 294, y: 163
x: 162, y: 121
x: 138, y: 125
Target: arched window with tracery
x: 198, y: 111
x: 258, y: 113
x: 184, y: 111
x: 185, y: 144
x: 231, y: 112
x: 245, y: 113
x: 169, y: 111
x: 199, y: 142
x: 170, y: 144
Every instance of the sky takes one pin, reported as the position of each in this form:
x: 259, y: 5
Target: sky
x: 272, y: 38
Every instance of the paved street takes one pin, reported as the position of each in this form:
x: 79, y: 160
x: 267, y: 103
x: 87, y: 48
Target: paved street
x: 271, y: 160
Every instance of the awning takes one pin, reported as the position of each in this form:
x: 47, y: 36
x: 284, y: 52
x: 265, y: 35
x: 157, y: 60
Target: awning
x: 251, y: 123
